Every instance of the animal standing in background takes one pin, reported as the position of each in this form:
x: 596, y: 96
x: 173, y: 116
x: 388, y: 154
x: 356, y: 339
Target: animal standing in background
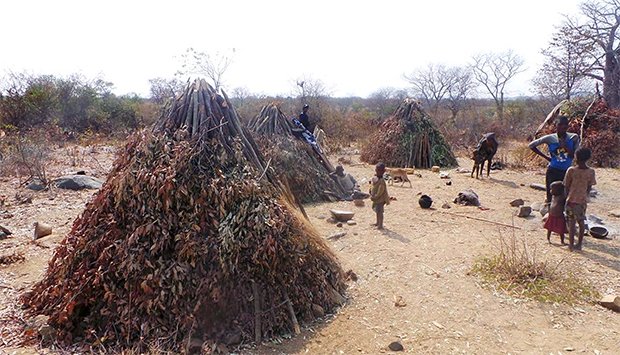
x: 397, y: 173
x: 485, y: 151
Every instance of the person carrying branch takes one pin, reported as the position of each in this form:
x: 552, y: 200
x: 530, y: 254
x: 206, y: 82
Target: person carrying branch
x: 562, y: 146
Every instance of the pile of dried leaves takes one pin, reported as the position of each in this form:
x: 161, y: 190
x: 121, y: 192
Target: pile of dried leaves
x: 306, y: 170
x: 600, y: 132
x: 409, y: 138
x: 187, y: 240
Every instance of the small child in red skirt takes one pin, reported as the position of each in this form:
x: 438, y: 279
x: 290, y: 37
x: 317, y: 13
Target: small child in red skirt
x: 556, y: 222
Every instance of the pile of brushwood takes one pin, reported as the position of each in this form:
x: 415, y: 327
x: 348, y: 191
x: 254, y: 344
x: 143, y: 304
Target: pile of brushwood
x: 408, y: 139
x: 306, y: 170
x: 190, y: 240
x: 598, y: 127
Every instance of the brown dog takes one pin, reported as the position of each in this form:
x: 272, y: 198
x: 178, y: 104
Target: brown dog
x: 397, y: 173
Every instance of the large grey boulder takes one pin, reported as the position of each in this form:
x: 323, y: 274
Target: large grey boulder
x: 78, y: 182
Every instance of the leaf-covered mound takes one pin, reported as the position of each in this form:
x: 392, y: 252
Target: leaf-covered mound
x: 186, y: 240
x: 601, y: 130
x: 306, y: 171
x: 408, y: 138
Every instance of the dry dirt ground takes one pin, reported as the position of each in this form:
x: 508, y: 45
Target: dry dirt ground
x: 422, y: 261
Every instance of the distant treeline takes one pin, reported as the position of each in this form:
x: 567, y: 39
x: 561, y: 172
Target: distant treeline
x: 75, y: 104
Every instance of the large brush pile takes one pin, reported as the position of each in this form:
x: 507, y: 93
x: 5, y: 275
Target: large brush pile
x: 598, y: 126
x: 407, y: 139
x: 188, y: 241
x: 306, y: 170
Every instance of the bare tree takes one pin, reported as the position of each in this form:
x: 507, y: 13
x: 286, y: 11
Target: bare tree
x: 163, y: 89
x: 212, y: 65
x: 494, y: 71
x: 313, y: 92
x: 601, y: 31
x: 384, y: 101
x: 430, y: 84
x: 566, y: 65
x: 460, y: 89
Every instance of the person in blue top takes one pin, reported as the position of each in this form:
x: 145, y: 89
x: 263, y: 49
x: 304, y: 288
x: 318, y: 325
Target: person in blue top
x: 562, y: 146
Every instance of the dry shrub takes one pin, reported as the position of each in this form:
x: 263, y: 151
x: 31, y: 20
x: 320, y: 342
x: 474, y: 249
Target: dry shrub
x: 14, y: 257
x: 25, y: 156
x: 517, y: 269
x: 523, y: 158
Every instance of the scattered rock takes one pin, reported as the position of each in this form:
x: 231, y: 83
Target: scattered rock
x: 435, y: 169
x: 525, y: 211
x: 449, y: 183
x: 446, y: 206
x: 23, y: 198
x: 351, y: 276
x: 399, y: 301
x: 36, y: 185
x: 331, y: 220
x: 569, y: 348
x: 536, y: 206
x: 351, y: 223
x: 614, y: 213
x: 80, y: 172
x: 4, y: 233
x: 611, y: 302
x: 540, y: 187
x: 339, y: 224
x: 321, y: 217
x: 337, y: 236
x: 41, y: 230
x: 336, y: 297
x: 396, y: 346
x: 317, y: 310
x: 467, y: 198
x: 78, y: 182
x: 40, y: 325
x: 522, y: 184
x: 516, y: 203
x: 444, y: 175
x: 544, y: 209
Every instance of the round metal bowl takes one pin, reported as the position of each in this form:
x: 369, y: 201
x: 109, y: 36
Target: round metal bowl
x: 342, y: 216
x: 599, y: 232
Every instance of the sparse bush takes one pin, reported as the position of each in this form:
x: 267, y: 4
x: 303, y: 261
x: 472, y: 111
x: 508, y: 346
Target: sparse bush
x: 517, y: 270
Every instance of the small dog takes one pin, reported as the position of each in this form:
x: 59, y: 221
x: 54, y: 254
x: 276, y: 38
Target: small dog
x: 485, y: 151
x: 397, y: 173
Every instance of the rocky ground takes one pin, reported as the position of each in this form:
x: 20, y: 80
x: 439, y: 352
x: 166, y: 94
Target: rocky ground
x: 414, y: 283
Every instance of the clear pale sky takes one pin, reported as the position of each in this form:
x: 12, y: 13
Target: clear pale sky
x: 354, y: 47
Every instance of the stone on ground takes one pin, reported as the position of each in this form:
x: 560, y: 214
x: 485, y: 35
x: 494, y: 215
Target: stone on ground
x: 78, y: 182
x: 540, y: 187
x: 525, y: 211
x: 516, y: 203
x: 611, y: 302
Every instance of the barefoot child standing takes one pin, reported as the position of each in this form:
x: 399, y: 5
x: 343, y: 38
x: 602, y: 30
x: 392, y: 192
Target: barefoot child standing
x: 578, y: 182
x: 378, y: 194
x: 556, y: 222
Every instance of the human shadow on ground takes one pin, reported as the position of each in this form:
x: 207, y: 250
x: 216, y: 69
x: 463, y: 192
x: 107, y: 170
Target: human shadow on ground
x: 393, y: 235
x: 611, y: 262
x: 506, y: 183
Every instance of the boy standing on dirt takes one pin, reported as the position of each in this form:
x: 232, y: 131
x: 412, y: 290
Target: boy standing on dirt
x: 378, y: 194
x: 578, y: 182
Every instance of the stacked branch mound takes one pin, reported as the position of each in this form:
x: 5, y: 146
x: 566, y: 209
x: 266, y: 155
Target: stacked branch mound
x: 306, y: 171
x: 409, y: 138
x: 189, y: 239
x: 601, y: 130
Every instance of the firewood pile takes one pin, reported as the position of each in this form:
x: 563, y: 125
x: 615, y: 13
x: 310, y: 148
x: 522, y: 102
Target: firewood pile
x: 407, y: 139
x: 306, y: 170
x: 598, y: 127
x: 187, y: 242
